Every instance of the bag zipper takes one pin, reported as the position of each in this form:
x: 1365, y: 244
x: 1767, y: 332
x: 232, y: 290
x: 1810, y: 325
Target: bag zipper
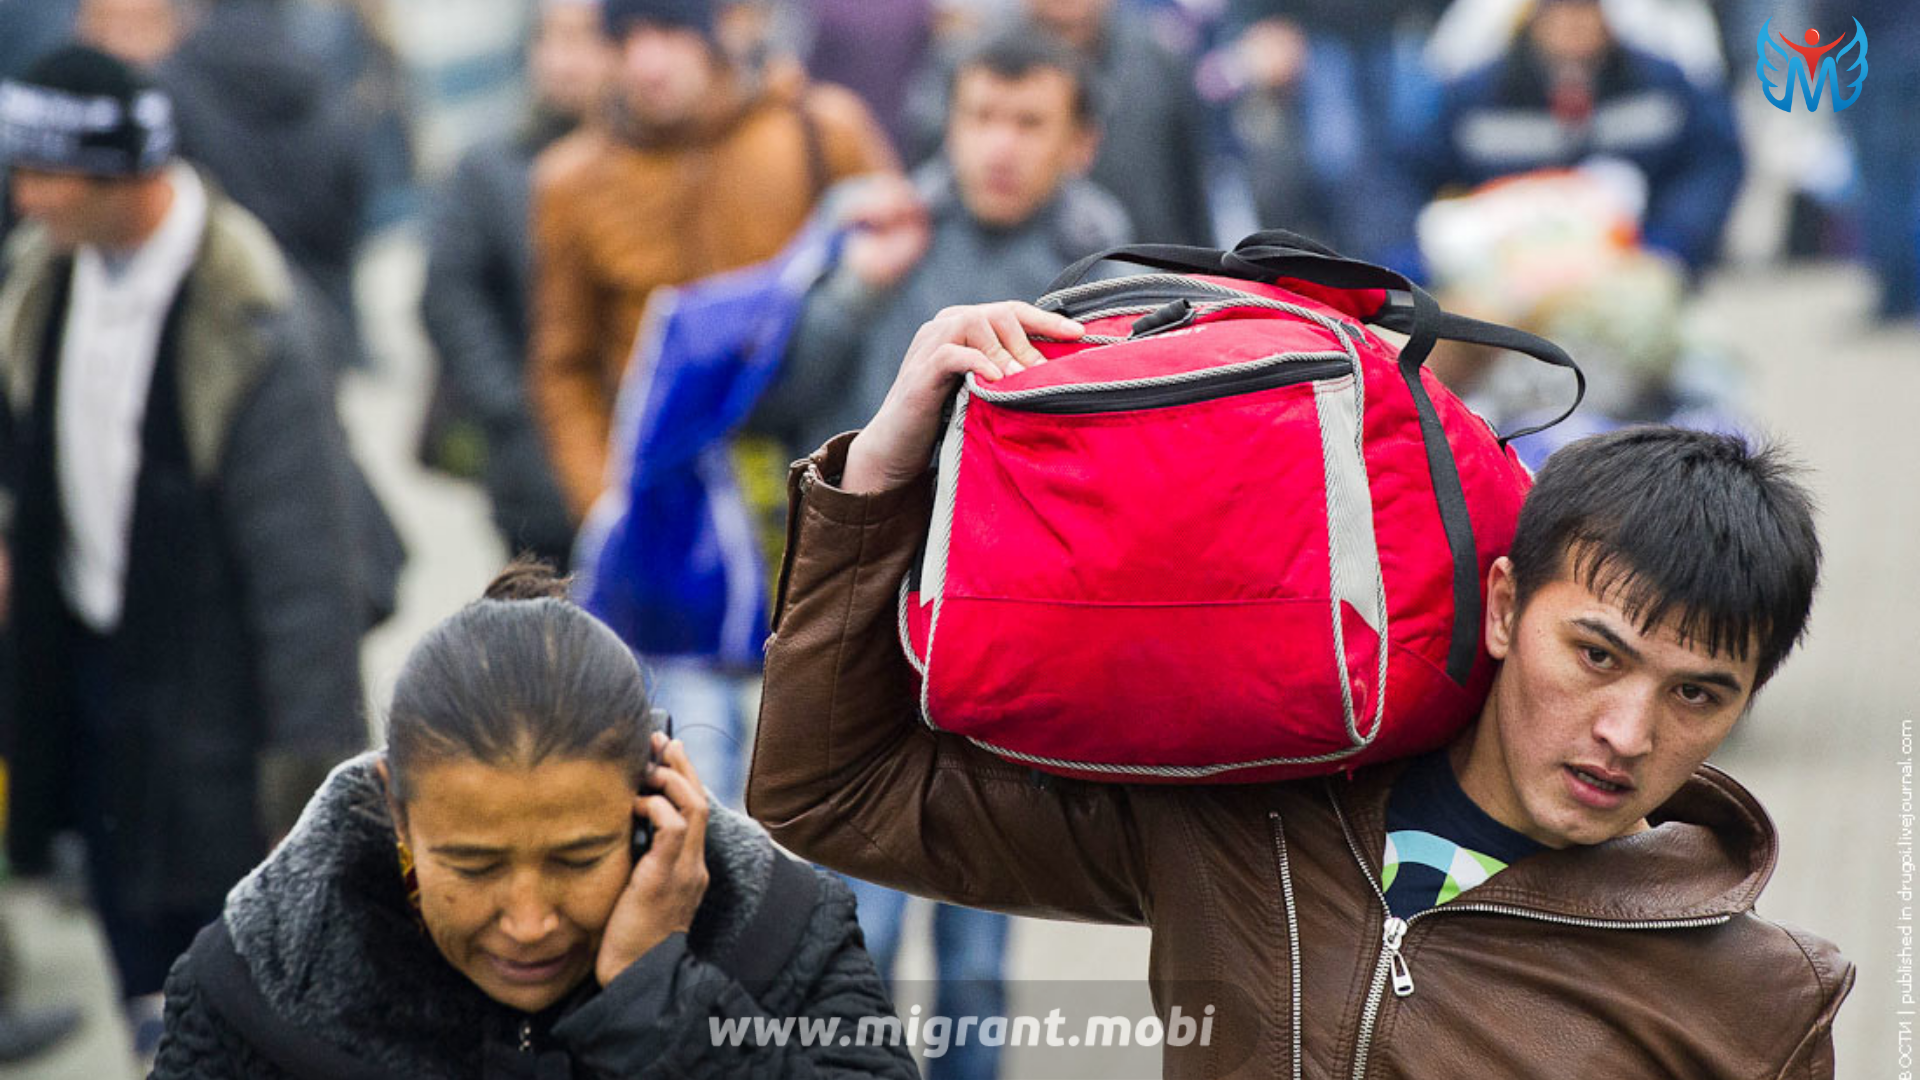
x: 1393, y: 965
x: 1186, y: 389
x: 1081, y: 302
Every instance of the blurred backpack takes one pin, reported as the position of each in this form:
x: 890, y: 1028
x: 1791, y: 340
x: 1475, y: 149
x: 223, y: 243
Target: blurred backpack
x: 1231, y: 535
x: 672, y: 555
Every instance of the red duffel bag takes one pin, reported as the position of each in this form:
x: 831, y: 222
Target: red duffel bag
x: 1233, y: 535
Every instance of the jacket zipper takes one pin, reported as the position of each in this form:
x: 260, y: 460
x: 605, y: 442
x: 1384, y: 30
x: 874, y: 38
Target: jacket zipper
x: 1293, y: 929
x: 1393, y: 963
x: 1270, y: 373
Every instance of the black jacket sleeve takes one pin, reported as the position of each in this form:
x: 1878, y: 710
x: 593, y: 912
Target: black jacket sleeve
x: 480, y: 352
x: 675, y: 1014
x: 284, y: 485
x: 198, y: 1044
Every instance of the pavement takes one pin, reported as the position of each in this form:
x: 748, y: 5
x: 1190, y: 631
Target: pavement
x: 1823, y: 749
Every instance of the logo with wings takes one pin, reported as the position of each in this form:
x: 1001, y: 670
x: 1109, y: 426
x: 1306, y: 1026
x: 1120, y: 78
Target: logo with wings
x: 1816, y: 72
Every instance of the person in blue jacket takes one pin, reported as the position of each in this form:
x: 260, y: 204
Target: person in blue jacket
x: 1569, y: 91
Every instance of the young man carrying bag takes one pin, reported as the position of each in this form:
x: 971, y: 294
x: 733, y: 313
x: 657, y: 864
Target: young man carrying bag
x: 1593, y: 912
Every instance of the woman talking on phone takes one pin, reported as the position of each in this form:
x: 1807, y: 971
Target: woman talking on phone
x: 527, y: 882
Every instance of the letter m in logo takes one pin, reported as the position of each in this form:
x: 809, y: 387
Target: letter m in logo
x: 1814, y: 69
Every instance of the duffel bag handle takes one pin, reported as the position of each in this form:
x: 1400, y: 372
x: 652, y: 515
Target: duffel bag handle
x: 1410, y: 310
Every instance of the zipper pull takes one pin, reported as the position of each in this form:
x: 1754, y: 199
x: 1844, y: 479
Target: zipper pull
x: 1396, y: 932
x: 1166, y: 317
x: 526, y: 1036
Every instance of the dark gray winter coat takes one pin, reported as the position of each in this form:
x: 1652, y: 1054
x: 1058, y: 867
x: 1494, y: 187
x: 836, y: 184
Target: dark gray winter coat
x: 333, y: 965
x: 474, y: 305
x: 238, y: 646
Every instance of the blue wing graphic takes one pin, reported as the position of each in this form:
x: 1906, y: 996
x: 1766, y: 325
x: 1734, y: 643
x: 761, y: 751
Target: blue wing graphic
x: 1774, y: 60
x: 1857, y: 48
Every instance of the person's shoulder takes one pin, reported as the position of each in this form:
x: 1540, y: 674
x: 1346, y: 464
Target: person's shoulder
x: 1645, y: 70
x: 573, y: 162
x: 198, y: 1042
x: 1134, y: 43
x: 1090, y: 218
x: 833, y: 105
x: 850, y: 135
x: 28, y: 251
x: 490, y: 159
x: 758, y: 897
x: 240, y: 258
x: 1783, y: 955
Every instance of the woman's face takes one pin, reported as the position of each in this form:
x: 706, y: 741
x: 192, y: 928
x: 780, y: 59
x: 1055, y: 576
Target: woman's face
x: 519, y: 869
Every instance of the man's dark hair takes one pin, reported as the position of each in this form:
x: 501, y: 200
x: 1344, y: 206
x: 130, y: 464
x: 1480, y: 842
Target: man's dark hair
x: 1015, y: 55
x: 521, y: 676
x: 1685, y: 525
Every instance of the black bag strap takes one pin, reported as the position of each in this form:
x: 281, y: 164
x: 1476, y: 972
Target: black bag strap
x: 1179, y: 258
x: 1277, y: 253
x: 230, y: 991
x: 773, y: 934
x: 1416, y: 314
x: 1262, y: 256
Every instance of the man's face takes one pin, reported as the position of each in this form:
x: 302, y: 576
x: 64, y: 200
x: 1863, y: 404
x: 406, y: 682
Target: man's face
x: 571, y: 59
x: 666, y: 73
x: 1591, y: 725
x: 1077, y: 21
x: 1571, y: 33
x: 75, y: 209
x: 1013, y: 142
x: 140, y: 32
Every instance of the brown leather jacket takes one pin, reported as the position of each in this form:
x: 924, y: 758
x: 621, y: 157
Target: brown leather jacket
x: 618, y: 213
x: 1637, y: 957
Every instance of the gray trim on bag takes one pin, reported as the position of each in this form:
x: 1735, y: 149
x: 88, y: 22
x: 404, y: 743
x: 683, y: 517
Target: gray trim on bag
x: 1353, y: 552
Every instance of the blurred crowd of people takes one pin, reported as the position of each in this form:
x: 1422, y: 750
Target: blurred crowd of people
x: 191, y: 557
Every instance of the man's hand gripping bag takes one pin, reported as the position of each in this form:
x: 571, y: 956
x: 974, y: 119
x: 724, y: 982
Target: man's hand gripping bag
x: 1231, y: 536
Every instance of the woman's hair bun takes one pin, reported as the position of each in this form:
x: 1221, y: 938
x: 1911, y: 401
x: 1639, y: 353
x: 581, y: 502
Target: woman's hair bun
x: 528, y: 578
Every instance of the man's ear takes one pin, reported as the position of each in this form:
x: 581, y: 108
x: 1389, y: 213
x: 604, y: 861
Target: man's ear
x: 1086, y: 148
x: 1503, y: 614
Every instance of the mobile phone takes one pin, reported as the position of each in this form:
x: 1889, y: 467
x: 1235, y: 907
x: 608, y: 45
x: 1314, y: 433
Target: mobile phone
x: 643, y: 826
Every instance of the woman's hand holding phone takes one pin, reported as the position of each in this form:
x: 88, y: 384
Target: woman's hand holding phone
x: 670, y: 879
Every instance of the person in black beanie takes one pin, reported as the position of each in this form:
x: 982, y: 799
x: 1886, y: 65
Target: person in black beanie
x: 185, y: 601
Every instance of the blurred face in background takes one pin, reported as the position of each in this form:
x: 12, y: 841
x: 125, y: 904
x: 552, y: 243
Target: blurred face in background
x: 1077, y: 22
x: 140, y: 32
x: 77, y: 210
x: 1013, y: 141
x: 572, y: 60
x: 1571, y: 33
x: 666, y: 73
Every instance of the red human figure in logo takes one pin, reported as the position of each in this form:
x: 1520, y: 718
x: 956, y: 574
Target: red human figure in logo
x: 1812, y: 52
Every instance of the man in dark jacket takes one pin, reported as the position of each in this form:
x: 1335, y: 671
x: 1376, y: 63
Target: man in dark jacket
x: 1566, y: 889
x: 1569, y: 91
x: 997, y: 214
x: 185, y: 603
x: 479, y: 279
x: 1153, y: 145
